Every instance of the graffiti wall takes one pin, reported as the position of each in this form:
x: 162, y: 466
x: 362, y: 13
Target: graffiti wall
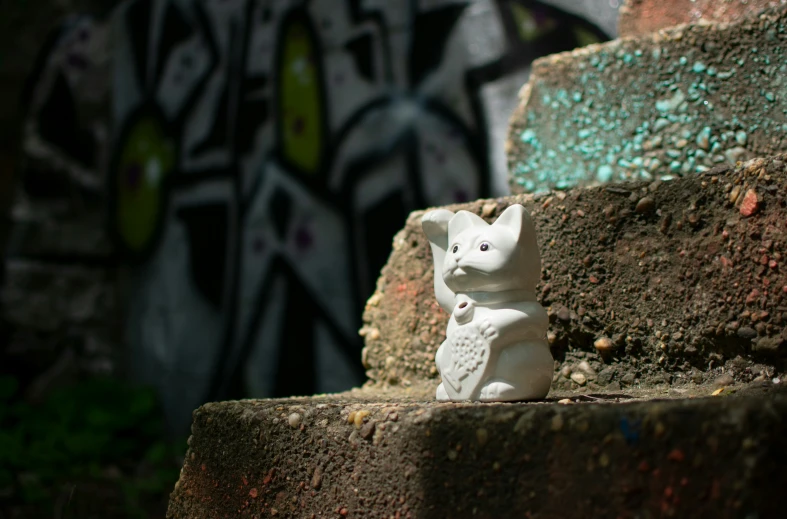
x: 267, y: 152
x: 264, y: 152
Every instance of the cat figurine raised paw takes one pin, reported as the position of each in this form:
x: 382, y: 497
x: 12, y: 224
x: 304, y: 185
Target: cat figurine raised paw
x: 485, y: 277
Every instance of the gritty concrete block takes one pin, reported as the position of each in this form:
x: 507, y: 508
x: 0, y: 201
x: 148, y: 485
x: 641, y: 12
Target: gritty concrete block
x: 353, y: 456
x: 676, y: 102
x: 638, y: 17
x: 646, y: 284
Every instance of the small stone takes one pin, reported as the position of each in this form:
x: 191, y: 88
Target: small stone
x: 359, y: 418
x: 566, y: 371
x: 750, y: 205
x: 579, y: 378
x: 753, y: 296
x: 703, y: 139
x: 604, y: 345
x: 317, y: 478
x: 488, y: 210
x: 628, y: 379
x: 565, y: 401
x: 734, y: 154
x: 645, y: 205
x: 390, y: 362
x: 746, y: 332
x: 768, y: 345
x: 586, y: 368
x: 367, y: 430
x: 613, y: 386
x: 294, y: 420
x: 564, y: 315
x: 735, y: 193
x: 696, y: 377
x: 677, y: 336
x: 724, y: 380
x: 253, y: 493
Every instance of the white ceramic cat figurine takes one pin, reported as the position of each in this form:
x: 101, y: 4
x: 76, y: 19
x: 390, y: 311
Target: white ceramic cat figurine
x: 485, y: 277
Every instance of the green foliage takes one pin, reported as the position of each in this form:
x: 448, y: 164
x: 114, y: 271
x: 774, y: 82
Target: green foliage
x: 77, y: 433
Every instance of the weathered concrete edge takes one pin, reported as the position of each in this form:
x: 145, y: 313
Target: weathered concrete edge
x: 301, y: 458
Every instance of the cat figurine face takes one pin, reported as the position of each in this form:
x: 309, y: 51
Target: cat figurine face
x: 491, y: 258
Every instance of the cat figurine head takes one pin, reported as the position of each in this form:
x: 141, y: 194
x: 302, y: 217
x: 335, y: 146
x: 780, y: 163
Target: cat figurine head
x: 473, y: 256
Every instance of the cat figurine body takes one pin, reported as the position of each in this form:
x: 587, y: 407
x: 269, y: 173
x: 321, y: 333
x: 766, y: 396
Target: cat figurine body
x: 485, y: 277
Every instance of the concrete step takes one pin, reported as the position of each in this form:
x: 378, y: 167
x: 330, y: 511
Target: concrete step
x: 376, y: 454
x: 683, y: 282
x: 676, y: 102
x: 663, y: 445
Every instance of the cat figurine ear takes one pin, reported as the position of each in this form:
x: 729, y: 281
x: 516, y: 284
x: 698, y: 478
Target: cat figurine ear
x: 462, y: 221
x: 516, y: 219
x: 435, y: 226
x: 512, y: 219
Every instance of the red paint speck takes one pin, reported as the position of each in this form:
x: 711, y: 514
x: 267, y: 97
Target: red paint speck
x: 676, y: 455
x: 750, y: 204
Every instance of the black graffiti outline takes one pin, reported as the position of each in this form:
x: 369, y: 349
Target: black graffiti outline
x: 172, y: 127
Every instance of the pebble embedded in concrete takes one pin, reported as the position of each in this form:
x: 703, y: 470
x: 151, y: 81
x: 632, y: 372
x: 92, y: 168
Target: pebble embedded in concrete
x: 645, y: 205
x: 579, y: 378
